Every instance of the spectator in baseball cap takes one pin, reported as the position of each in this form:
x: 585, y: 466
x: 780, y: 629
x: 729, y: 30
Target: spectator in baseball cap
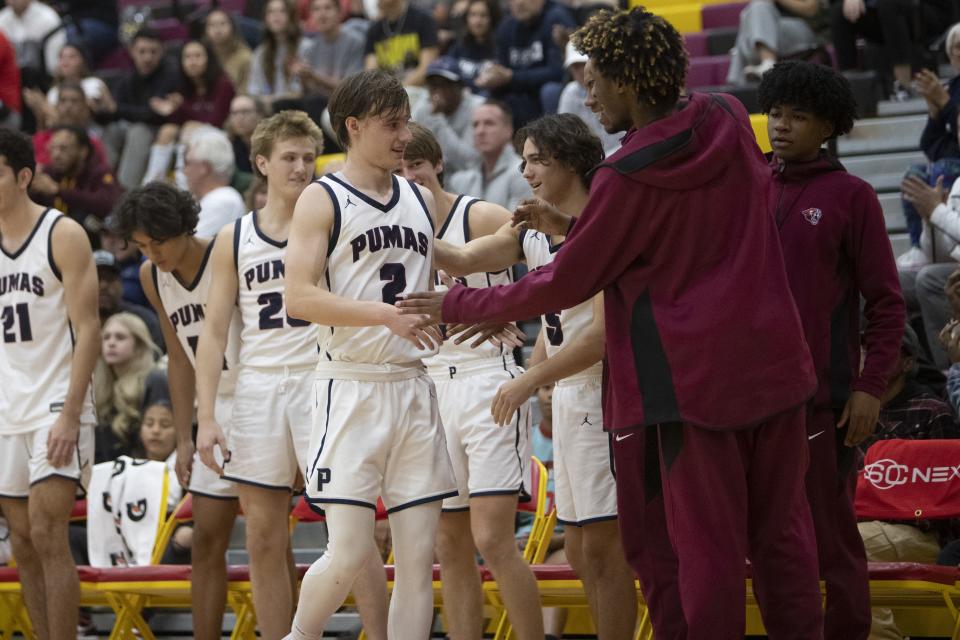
x: 449, y: 113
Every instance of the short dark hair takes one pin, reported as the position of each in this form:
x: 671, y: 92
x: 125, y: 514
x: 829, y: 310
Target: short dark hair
x: 638, y: 49
x: 567, y: 139
x: 17, y: 149
x: 368, y: 93
x: 503, y: 106
x: 818, y: 89
x: 423, y: 146
x: 79, y: 133
x: 158, y: 209
x: 146, y: 33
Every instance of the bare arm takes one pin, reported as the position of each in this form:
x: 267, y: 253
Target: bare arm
x: 418, y: 75
x: 180, y: 378
x: 73, y: 256
x: 305, y: 262
x: 493, y: 252
x: 581, y: 354
x: 213, y: 344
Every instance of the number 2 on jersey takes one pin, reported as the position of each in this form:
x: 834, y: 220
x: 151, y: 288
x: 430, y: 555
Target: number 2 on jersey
x: 396, y: 276
x: 271, y: 313
x: 18, y: 314
x: 553, y: 328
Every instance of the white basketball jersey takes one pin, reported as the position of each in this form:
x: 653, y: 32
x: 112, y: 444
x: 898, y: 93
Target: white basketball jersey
x: 559, y: 327
x: 36, y: 350
x: 456, y: 230
x: 185, y: 306
x: 268, y: 336
x: 377, y: 252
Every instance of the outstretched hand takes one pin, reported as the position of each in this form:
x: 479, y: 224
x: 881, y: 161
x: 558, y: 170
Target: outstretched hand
x: 540, y: 215
x: 422, y: 303
x: 419, y: 329
x: 498, y: 333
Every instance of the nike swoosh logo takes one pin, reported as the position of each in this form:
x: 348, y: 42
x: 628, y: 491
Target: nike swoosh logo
x: 814, y: 435
x: 619, y: 438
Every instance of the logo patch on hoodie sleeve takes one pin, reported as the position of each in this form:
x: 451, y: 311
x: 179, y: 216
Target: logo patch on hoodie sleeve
x: 812, y: 215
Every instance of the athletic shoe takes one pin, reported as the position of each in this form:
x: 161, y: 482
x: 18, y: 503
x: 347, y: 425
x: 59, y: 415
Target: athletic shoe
x: 912, y: 260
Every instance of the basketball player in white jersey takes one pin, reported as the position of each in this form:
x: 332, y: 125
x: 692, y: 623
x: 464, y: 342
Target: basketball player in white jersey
x: 51, y: 340
x: 490, y: 463
x: 264, y: 450
x: 361, y: 238
x: 558, y: 152
x: 161, y: 221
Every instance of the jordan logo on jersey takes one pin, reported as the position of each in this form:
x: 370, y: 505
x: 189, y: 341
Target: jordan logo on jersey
x: 21, y: 282
x: 388, y: 237
x: 349, y: 202
x: 186, y: 315
x: 270, y: 270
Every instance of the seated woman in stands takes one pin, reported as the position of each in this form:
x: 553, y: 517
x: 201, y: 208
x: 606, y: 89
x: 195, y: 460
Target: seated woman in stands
x: 476, y: 47
x: 272, y: 69
x: 127, y: 358
x: 769, y: 31
x: 204, y: 98
x: 229, y: 47
x: 938, y: 143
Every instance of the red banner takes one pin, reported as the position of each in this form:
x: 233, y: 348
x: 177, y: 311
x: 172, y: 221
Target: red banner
x: 910, y: 480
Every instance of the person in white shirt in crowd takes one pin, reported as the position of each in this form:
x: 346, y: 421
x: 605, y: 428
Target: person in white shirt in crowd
x: 449, y: 113
x: 36, y: 32
x: 924, y: 289
x: 495, y: 176
x: 574, y: 96
x: 208, y: 167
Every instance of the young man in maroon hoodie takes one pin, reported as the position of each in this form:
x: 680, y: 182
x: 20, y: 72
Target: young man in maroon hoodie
x: 836, y: 250
x: 708, y: 369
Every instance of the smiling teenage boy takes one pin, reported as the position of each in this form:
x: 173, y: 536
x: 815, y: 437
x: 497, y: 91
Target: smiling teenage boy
x: 836, y: 251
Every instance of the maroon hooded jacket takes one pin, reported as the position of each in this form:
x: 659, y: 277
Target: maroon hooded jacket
x: 836, y: 249
x: 700, y: 324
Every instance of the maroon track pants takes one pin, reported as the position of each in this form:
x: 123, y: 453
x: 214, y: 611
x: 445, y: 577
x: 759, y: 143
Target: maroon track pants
x: 831, y: 483
x: 720, y: 497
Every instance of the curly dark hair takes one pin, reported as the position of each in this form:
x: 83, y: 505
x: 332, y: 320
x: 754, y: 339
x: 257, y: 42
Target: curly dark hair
x: 821, y: 90
x: 565, y: 138
x: 368, y: 93
x: 638, y: 49
x: 157, y: 209
x: 17, y: 149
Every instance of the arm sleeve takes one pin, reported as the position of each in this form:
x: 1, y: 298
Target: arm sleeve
x: 878, y: 282
x: 427, y: 30
x: 602, y: 245
x: 953, y: 386
x: 257, y: 84
x: 222, y: 98
x: 97, y: 198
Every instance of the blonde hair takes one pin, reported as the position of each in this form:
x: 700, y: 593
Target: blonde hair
x: 279, y: 127
x: 118, y: 398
